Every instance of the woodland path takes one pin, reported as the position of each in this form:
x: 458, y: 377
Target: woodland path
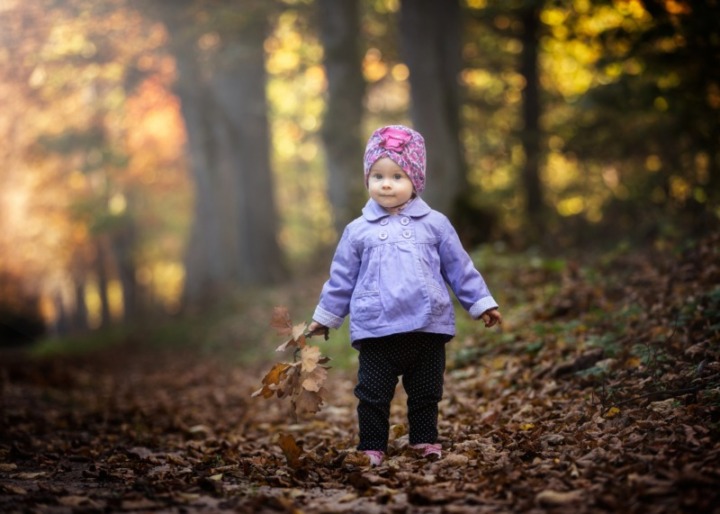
x: 535, y: 424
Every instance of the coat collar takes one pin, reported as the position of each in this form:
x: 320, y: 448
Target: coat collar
x: 417, y: 208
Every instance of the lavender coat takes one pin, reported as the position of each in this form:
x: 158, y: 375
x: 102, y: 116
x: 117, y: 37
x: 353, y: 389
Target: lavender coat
x: 389, y: 274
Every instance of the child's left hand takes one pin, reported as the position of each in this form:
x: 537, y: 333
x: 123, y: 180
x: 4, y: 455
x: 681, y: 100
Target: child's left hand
x: 491, y: 317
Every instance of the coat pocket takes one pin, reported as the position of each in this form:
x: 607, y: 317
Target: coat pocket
x: 439, y: 298
x: 366, y: 305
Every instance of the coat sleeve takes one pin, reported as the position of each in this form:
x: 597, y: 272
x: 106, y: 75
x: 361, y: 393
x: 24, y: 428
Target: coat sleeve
x: 460, y: 273
x: 334, y: 304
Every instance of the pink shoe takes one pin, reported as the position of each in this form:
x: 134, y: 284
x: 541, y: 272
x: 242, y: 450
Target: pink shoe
x: 429, y: 450
x: 376, y: 457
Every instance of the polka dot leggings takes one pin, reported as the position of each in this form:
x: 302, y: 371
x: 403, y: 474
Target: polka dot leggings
x: 420, y: 358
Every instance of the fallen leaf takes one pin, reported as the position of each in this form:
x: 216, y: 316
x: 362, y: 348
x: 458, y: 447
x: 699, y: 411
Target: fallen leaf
x: 612, y: 412
x: 550, y: 498
x: 455, y: 459
x: 290, y: 449
x: 74, y: 501
x: 14, y: 489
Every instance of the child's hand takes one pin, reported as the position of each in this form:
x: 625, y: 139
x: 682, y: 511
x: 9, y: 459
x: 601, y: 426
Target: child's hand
x: 315, y: 328
x: 491, y: 317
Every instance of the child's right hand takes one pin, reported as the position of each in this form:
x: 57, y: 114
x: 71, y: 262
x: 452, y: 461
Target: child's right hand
x: 315, y: 328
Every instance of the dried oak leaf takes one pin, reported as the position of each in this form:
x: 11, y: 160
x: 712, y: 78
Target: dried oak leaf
x: 297, y: 339
x: 290, y: 384
x: 308, y: 402
x: 280, y: 321
x: 290, y: 449
x: 315, y: 380
x: 273, y: 378
x: 310, y: 358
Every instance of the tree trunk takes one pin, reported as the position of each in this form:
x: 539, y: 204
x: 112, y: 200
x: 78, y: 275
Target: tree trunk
x: 101, y: 267
x: 222, y: 91
x: 430, y: 32
x: 207, y: 262
x: 530, y: 17
x: 80, y: 313
x: 342, y: 136
x: 123, y: 240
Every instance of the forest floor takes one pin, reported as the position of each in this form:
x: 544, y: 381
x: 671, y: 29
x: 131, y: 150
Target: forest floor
x: 601, y: 393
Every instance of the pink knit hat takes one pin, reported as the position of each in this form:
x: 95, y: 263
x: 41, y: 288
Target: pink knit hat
x: 404, y: 146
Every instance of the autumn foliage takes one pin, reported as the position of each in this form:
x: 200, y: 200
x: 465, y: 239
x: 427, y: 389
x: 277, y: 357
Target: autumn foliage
x: 301, y: 380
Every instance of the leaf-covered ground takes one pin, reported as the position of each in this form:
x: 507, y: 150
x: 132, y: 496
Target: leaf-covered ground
x: 601, y: 394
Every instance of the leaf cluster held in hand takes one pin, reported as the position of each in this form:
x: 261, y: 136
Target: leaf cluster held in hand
x: 301, y: 380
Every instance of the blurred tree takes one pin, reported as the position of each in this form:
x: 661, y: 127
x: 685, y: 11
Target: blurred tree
x: 218, y: 47
x: 79, y: 164
x: 20, y: 315
x: 339, y: 22
x: 529, y: 15
x: 430, y: 36
x: 653, y: 124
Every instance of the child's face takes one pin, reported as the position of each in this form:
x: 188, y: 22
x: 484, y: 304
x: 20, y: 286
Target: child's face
x: 388, y: 184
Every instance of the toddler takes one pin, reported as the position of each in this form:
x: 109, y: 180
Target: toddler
x: 389, y: 273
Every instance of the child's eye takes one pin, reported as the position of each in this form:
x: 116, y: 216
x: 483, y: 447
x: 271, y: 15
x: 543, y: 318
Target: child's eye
x: 377, y: 176
x: 398, y: 176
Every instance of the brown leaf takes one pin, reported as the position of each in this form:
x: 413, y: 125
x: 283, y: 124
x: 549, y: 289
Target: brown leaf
x: 550, y: 498
x: 290, y: 384
x: 280, y: 321
x: 273, y: 378
x: 287, y: 344
x: 298, y: 334
x: 308, y: 402
x: 310, y: 357
x: 290, y: 449
x: 13, y: 489
x: 315, y: 380
x: 78, y: 501
x: 297, y: 338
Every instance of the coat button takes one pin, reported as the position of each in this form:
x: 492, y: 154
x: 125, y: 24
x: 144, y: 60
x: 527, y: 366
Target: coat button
x: 405, y: 221
x: 383, y: 235
x: 407, y: 234
x: 384, y: 221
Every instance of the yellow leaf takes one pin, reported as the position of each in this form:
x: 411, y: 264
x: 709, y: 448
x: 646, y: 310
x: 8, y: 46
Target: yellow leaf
x: 398, y: 430
x: 633, y: 362
x: 527, y: 426
x: 612, y: 412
